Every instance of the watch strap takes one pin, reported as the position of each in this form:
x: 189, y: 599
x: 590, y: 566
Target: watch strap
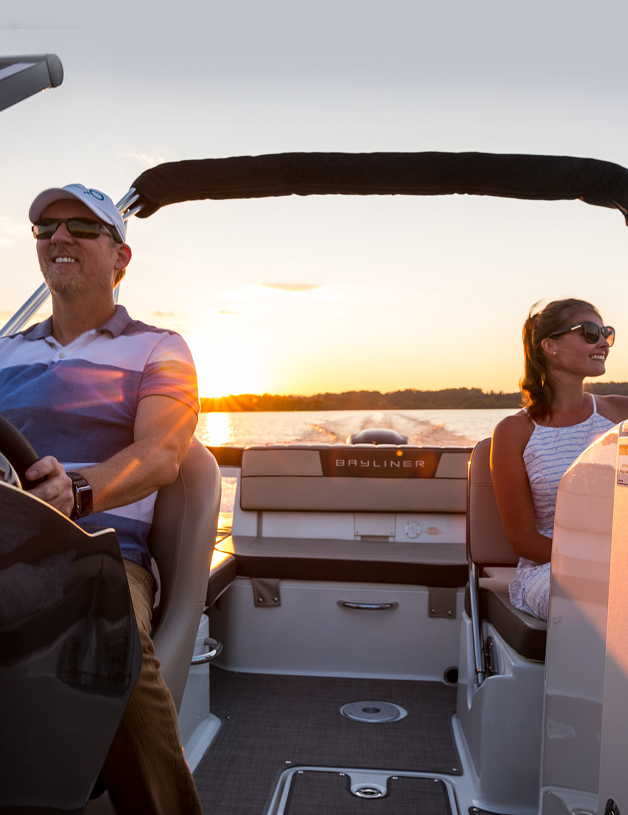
x: 83, y: 496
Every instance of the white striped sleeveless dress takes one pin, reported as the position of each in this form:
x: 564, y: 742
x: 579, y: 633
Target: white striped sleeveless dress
x: 548, y: 455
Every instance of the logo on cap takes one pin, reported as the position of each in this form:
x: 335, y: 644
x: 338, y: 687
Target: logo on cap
x: 95, y: 194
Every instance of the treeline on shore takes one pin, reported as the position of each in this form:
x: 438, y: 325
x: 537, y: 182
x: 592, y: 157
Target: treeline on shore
x: 409, y: 399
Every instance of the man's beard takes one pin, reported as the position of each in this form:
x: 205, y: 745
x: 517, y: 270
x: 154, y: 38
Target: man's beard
x: 59, y: 284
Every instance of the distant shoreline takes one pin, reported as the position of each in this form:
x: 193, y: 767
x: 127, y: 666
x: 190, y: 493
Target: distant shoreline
x: 447, y: 399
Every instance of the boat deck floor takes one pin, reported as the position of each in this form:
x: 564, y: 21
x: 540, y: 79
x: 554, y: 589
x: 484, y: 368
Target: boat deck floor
x: 273, y: 724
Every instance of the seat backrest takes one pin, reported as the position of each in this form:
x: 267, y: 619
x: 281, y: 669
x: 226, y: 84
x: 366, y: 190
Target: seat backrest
x: 354, y: 478
x: 486, y: 539
x: 182, y: 540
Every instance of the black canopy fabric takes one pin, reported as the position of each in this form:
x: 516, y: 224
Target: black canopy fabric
x: 547, y: 178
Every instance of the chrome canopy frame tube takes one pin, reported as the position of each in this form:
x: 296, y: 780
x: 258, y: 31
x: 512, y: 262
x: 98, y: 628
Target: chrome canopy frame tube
x: 28, y: 310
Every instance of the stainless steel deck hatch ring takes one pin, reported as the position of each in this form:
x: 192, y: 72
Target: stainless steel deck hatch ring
x: 373, y: 712
x: 368, y: 792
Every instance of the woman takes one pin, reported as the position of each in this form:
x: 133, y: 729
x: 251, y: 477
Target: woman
x: 530, y: 452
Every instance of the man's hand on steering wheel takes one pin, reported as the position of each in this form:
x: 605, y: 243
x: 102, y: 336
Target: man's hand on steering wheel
x: 56, y: 486
x: 56, y: 489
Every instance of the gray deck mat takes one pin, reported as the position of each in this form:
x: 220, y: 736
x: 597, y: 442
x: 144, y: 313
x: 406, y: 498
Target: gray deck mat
x: 328, y: 794
x: 271, y: 723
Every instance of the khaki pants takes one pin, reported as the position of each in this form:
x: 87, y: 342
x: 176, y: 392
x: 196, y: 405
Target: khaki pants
x: 145, y: 771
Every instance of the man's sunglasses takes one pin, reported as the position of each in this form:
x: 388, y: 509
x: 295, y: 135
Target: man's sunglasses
x: 591, y: 332
x: 85, y: 228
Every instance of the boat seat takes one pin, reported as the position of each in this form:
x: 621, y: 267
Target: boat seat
x: 492, y: 564
x: 182, y: 540
x: 353, y: 513
x: 505, y: 573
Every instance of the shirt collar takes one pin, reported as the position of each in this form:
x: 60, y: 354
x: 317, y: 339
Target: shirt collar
x: 39, y: 331
x: 115, y: 325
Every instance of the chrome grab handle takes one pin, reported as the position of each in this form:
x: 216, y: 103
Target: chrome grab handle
x: 215, y: 649
x: 367, y: 606
x: 476, y: 622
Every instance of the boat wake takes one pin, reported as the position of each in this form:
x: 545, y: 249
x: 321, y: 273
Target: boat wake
x: 424, y: 428
x: 419, y: 431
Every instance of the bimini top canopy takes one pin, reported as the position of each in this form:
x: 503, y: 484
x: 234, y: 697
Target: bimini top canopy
x: 548, y: 178
x: 545, y: 178
x: 21, y: 77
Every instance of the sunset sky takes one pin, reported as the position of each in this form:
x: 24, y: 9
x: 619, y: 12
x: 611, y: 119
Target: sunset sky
x: 332, y: 293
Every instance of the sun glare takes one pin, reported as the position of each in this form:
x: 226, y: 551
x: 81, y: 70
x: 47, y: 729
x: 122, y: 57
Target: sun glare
x: 215, y: 430
x: 226, y: 367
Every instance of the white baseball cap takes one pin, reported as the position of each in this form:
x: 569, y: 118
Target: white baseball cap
x: 100, y: 204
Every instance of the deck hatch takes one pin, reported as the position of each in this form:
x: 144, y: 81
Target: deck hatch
x: 312, y: 792
x: 373, y: 712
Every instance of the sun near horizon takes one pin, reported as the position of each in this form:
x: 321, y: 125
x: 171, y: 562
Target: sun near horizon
x: 231, y: 370
x: 233, y: 375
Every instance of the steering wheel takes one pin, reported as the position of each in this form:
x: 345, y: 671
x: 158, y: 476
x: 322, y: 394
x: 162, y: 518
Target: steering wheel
x: 17, y: 450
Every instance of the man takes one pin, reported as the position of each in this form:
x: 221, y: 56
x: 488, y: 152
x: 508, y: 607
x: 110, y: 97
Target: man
x: 111, y: 405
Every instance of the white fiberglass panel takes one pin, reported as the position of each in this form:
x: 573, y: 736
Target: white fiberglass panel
x: 312, y: 632
x: 613, y: 781
x: 576, y: 638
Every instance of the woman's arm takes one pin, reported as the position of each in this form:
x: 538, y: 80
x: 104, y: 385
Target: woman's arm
x: 512, y: 489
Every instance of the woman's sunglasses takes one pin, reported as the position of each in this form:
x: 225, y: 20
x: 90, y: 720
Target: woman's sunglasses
x: 591, y: 332
x: 85, y: 228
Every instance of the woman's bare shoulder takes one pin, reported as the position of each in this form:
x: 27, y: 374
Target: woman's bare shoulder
x: 612, y: 406
x: 513, y: 431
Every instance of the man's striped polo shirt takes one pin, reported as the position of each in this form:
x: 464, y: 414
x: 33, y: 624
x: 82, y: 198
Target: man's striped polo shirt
x: 78, y: 402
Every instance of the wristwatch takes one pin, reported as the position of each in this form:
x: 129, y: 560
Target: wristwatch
x: 83, y: 496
